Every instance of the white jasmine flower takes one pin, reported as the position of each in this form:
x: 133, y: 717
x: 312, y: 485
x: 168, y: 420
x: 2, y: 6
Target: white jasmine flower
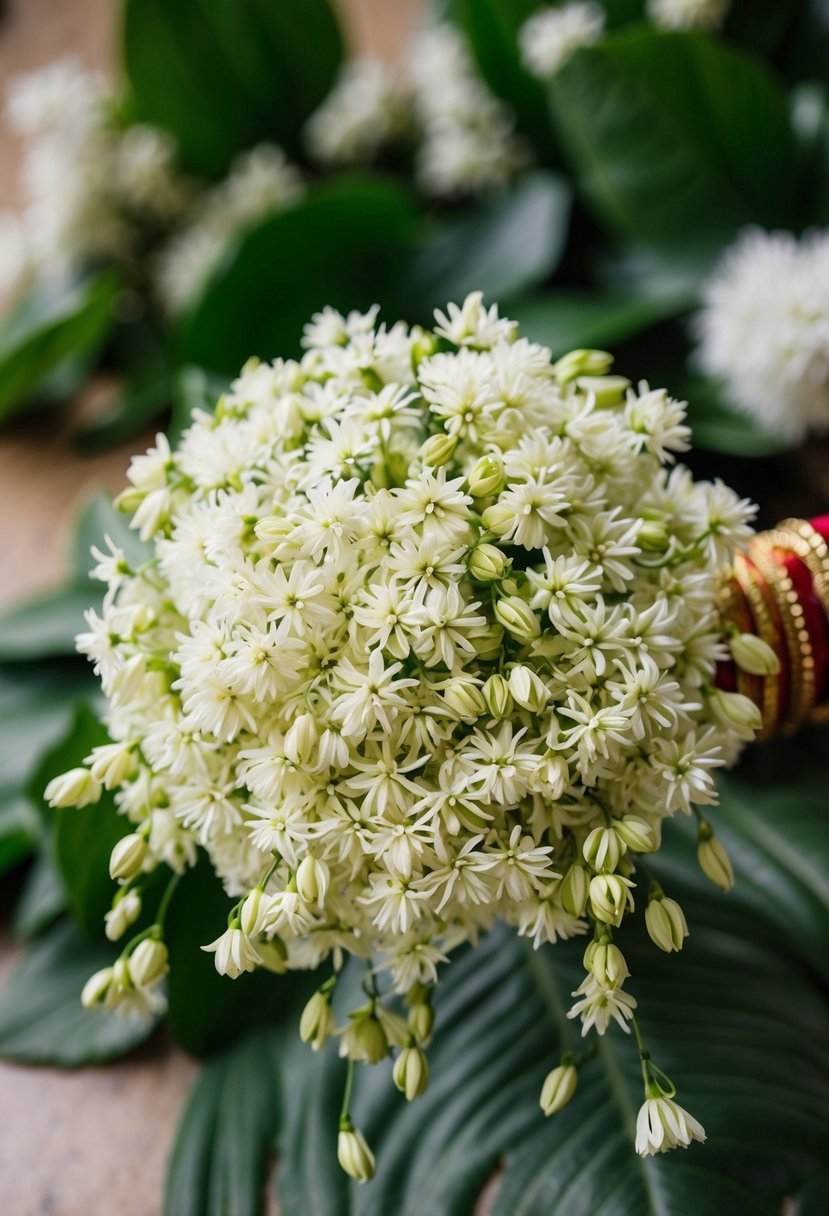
x: 361, y: 114
x: 764, y: 330
x: 688, y: 14
x: 549, y: 37
x: 234, y: 953
x: 468, y: 144
x: 598, y: 1006
x: 663, y: 1124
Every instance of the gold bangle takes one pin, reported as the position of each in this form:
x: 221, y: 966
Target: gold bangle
x: 798, y: 641
x: 806, y: 543
x: 767, y: 629
x: 734, y: 611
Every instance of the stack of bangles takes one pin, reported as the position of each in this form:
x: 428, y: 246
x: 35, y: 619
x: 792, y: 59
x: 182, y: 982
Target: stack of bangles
x: 779, y: 591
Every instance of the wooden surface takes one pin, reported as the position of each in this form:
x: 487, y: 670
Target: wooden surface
x: 92, y: 1142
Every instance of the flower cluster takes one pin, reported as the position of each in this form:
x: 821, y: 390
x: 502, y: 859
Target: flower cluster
x: 764, y: 329
x: 688, y: 14
x: 91, y: 187
x: 549, y: 37
x: 362, y: 113
x: 260, y: 182
x: 97, y: 190
x: 426, y: 640
x: 463, y: 136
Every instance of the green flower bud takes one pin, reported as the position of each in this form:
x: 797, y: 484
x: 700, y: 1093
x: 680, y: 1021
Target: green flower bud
x: 487, y: 564
x: 518, y: 618
x: 316, y: 1025
x: 574, y: 890
x: 438, y: 450
x: 364, y: 1039
x: 312, y: 877
x: 605, y: 390
x: 602, y: 850
x: 528, y: 689
x: 753, y: 655
x: 498, y: 518
x: 125, y: 910
x: 465, y: 697
x: 635, y: 833
x: 353, y: 1154
x: 653, y: 536
x: 76, y: 788
x: 610, y: 897
x: 581, y: 363
x: 558, y: 1088
x: 665, y: 922
x: 487, y: 477
x: 497, y: 696
x: 736, y: 713
x: 96, y: 987
x: 148, y: 962
x: 411, y: 1072
x: 714, y: 861
x: 421, y: 1020
x: 301, y: 739
x: 128, y: 856
x: 606, y: 963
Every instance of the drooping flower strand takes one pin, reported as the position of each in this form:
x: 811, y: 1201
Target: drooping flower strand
x: 427, y: 639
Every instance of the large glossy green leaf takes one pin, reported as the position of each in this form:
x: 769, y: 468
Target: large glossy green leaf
x: 567, y: 320
x: 347, y: 246
x: 671, y: 137
x: 226, y: 1134
x: 733, y: 1021
x: 42, y: 1020
x: 43, y: 897
x: 48, y: 328
x: 222, y: 77
x: 507, y: 245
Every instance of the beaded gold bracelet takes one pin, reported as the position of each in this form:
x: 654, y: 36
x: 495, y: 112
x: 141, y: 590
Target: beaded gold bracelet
x: 768, y: 630
x: 801, y: 664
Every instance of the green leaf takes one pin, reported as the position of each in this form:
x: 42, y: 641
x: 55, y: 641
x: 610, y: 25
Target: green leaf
x: 226, y: 1135
x: 36, y: 707
x: 46, y: 625
x: 733, y: 1021
x: 508, y: 244
x: 42, y: 1020
x: 492, y: 29
x: 83, y: 836
x: 716, y: 425
x: 567, y: 320
x: 222, y: 77
x: 208, y: 1011
x: 47, y: 328
x: 43, y: 897
x: 671, y: 136
x: 346, y: 246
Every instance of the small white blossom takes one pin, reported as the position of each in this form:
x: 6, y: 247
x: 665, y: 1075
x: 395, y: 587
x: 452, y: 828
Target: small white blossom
x: 764, y: 330
x: 688, y: 14
x: 549, y: 37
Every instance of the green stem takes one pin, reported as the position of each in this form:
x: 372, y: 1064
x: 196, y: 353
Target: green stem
x: 345, y: 1119
x: 165, y: 900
